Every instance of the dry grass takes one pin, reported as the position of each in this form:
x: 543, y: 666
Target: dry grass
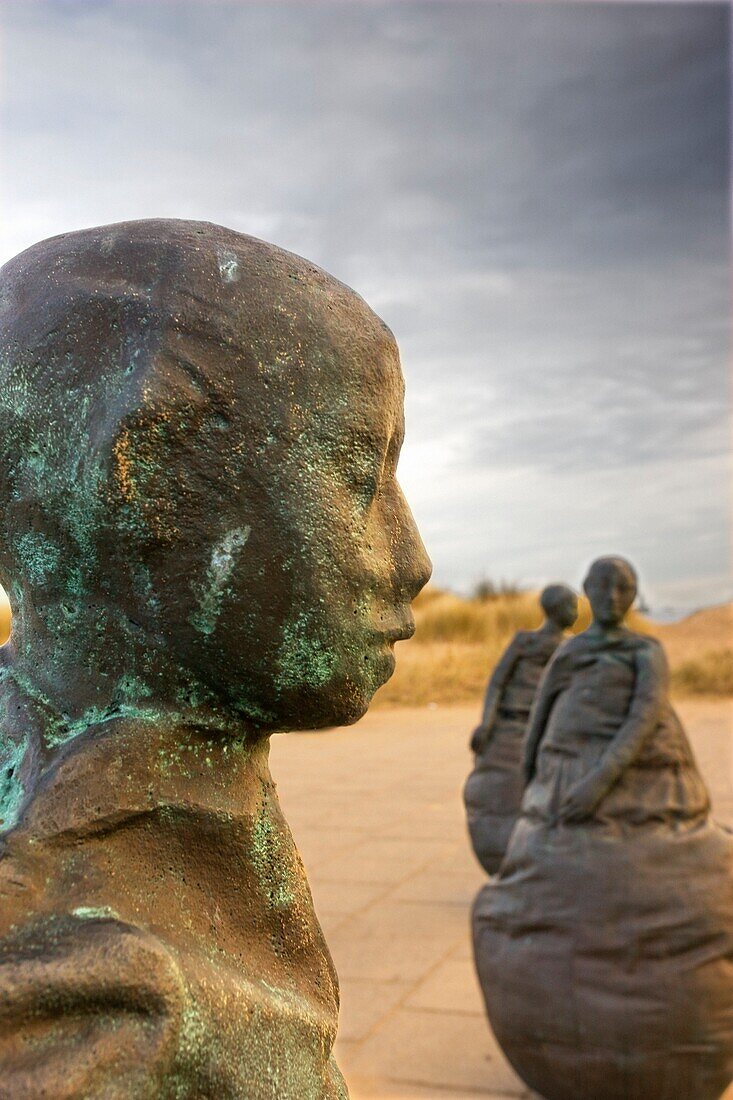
x: 458, y: 641
x: 688, y: 639
x: 709, y: 674
x: 446, y: 618
x: 438, y: 672
x: 700, y: 651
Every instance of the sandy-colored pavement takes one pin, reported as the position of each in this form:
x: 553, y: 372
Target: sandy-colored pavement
x: 376, y: 811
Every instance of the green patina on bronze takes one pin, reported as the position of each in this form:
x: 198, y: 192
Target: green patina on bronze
x: 11, y: 788
x: 41, y: 556
x: 270, y: 857
x: 303, y: 657
x: 204, y: 543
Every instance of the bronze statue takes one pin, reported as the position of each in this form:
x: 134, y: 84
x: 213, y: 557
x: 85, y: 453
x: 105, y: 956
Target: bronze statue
x: 604, y: 946
x: 204, y: 543
x: 494, y: 789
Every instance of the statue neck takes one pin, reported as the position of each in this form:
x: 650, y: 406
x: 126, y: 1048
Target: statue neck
x: 550, y: 629
x: 124, y: 768
x: 602, y: 632
x: 41, y: 730
x: 61, y: 704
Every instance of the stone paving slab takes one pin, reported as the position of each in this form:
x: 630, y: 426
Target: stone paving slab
x: 450, y: 987
x: 365, y: 1003
x: 417, y: 1046
x: 377, y: 814
x: 396, y: 941
x: 366, y: 1089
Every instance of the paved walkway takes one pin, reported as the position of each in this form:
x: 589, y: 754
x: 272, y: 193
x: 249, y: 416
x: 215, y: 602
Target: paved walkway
x: 376, y: 811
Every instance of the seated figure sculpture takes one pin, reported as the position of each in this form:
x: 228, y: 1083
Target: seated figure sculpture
x: 493, y: 791
x: 604, y: 947
x: 204, y: 543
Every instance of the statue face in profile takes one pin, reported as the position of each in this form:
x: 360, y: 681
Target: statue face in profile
x: 203, y: 509
x: 329, y: 562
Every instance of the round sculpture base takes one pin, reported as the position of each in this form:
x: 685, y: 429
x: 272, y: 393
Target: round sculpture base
x: 606, y: 960
x: 493, y: 794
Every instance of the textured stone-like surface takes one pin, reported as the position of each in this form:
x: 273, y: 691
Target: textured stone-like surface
x: 605, y: 944
x: 494, y: 789
x: 204, y: 542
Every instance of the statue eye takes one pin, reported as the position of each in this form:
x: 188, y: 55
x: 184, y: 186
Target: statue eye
x: 368, y: 488
x: 364, y: 467
x: 363, y: 474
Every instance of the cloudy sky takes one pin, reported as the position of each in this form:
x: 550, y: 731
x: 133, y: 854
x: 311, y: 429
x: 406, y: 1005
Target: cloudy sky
x: 534, y: 197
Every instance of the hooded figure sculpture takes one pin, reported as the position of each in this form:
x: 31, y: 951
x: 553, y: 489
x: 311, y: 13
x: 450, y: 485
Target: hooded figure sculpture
x: 493, y: 791
x: 604, y: 947
x: 204, y: 543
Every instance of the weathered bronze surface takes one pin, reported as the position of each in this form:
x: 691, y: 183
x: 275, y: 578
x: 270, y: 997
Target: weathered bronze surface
x: 494, y: 789
x: 605, y: 945
x: 204, y: 542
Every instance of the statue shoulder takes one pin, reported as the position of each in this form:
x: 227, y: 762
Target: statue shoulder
x: 103, y: 998
x: 523, y: 641
x: 648, y: 648
x: 570, y: 647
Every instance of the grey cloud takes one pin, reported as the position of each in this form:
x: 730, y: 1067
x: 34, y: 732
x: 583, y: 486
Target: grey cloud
x: 534, y: 196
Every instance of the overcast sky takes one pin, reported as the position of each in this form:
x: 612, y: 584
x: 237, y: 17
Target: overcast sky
x: 533, y: 196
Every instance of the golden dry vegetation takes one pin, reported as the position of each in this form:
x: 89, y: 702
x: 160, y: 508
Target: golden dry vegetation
x: 458, y: 641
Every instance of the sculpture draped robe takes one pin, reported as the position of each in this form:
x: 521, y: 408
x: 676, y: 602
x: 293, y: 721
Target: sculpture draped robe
x: 493, y: 791
x: 605, y: 945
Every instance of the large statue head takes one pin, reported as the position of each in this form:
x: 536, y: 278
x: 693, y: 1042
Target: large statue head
x: 199, y: 434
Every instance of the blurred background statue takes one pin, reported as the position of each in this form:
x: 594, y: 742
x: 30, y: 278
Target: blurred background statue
x: 604, y: 946
x: 494, y: 789
x: 204, y: 543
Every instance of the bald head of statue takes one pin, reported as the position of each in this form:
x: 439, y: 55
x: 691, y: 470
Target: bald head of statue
x: 611, y: 587
x: 560, y: 605
x: 198, y: 441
